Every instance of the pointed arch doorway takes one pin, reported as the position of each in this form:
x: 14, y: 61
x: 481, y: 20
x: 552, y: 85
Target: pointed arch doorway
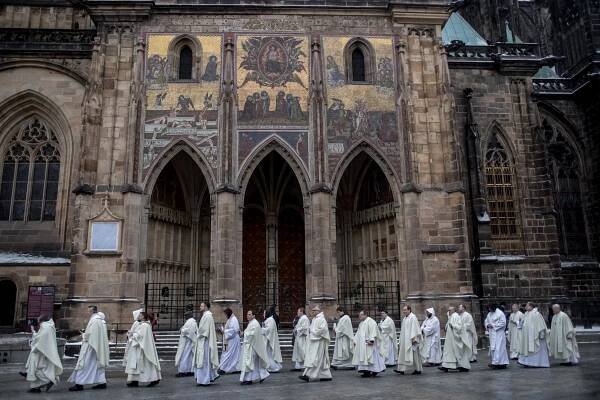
x: 178, y: 242
x: 273, y: 248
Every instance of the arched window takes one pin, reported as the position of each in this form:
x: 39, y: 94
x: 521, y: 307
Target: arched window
x: 360, y: 61
x: 185, y: 63
x: 565, y: 174
x: 502, y: 199
x: 358, y: 66
x: 30, y: 174
x: 184, y: 58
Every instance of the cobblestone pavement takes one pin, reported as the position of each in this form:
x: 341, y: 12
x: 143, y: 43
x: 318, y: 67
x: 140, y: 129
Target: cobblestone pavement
x: 572, y: 383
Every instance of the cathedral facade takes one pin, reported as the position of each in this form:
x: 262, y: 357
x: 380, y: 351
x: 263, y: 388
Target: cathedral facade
x: 363, y: 153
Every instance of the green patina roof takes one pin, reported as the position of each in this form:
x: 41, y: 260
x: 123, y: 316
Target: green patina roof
x: 546, y: 72
x: 457, y: 28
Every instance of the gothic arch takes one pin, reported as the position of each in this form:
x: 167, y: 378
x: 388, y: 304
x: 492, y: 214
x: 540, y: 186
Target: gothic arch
x: 181, y: 145
x: 496, y: 129
x: 565, y: 162
x: 556, y: 117
x: 29, y: 105
x: 173, y: 53
x: 277, y: 145
x: 368, y: 54
x: 8, y: 65
x: 364, y: 146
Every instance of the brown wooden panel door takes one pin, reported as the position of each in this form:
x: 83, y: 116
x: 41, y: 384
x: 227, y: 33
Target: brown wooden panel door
x: 292, y: 285
x: 254, y: 261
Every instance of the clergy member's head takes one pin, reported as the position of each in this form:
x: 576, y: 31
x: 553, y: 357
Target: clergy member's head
x: 300, y: 312
x: 143, y: 316
x: 383, y: 314
x: 429, y: 312
x: 555, y: 308
x: 188, y: 314
x: 228, y: 312
x: 362, y: 315
x: 406, y: 310
x: 461, y: 308
x: 315, y: 310
x: 43, y: 318
x: 204, y: 306
x: 451, y: 310
x: 92, y: 310
x: 250, y: 315
x: 529, y: 306
x: 514, y: 308
x: 340, y: 311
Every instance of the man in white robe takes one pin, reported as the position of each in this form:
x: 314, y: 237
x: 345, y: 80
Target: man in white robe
x: 514, y: 331
x: 272, y: 336
x: 206, y: 355
x: 432, y: 347
x: 94, y: 354
x: 534, y: 347
x: 563, y: 344
x: 343, y: 349
x: 470, y: 329
x: 136, y: 314
x: 230, y: 358
x: 495, y: 326
x: 254, y: 360
x: 43, y: 364
x: 186, y: 346
x: 457, y: 350
x: 411, y: 342
x: 390, y: 340
x: 368, y: 356
x: 301, y: 336
x: 316, y: 359
x: 143, y: 364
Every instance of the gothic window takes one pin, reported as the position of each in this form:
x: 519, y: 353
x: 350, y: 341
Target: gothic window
x: 502, y: 198
x: 565, y: 175
x: 30, y: 174
x: 185, y: 63
x: 359, y: 57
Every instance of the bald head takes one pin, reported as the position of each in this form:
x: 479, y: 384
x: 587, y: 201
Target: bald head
x: 451, y: 310
x: 556, y: 308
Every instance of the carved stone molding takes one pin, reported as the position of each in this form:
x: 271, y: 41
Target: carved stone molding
x: 59, y: 42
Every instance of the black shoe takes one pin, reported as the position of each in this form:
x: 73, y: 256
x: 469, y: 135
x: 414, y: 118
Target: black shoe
x: 399, y: 372
x: 325, y: 379
x: 243, y: 383
x: 416, y: 373
x: 216, y: 377
x: 262, y: 380
x: 23, y: 374
x: 100, y: 386
x: 47, y: 386
x: 76, y: 388
x: 374, y: 374
x: 203, y: 384
x: 35, y: 390
x: 567, y: 364
x: 221, y: 372
x: 133, y: 384
x: 295, y: 369
x: 181, y: 374
x: 366, y: 374
x: 304, y: 378
x: 333, y: 367
x: 461, y: 369
x: 474, y: 361
x: 189, y: 374
x: 153, y: 383
x: 443, y: 369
